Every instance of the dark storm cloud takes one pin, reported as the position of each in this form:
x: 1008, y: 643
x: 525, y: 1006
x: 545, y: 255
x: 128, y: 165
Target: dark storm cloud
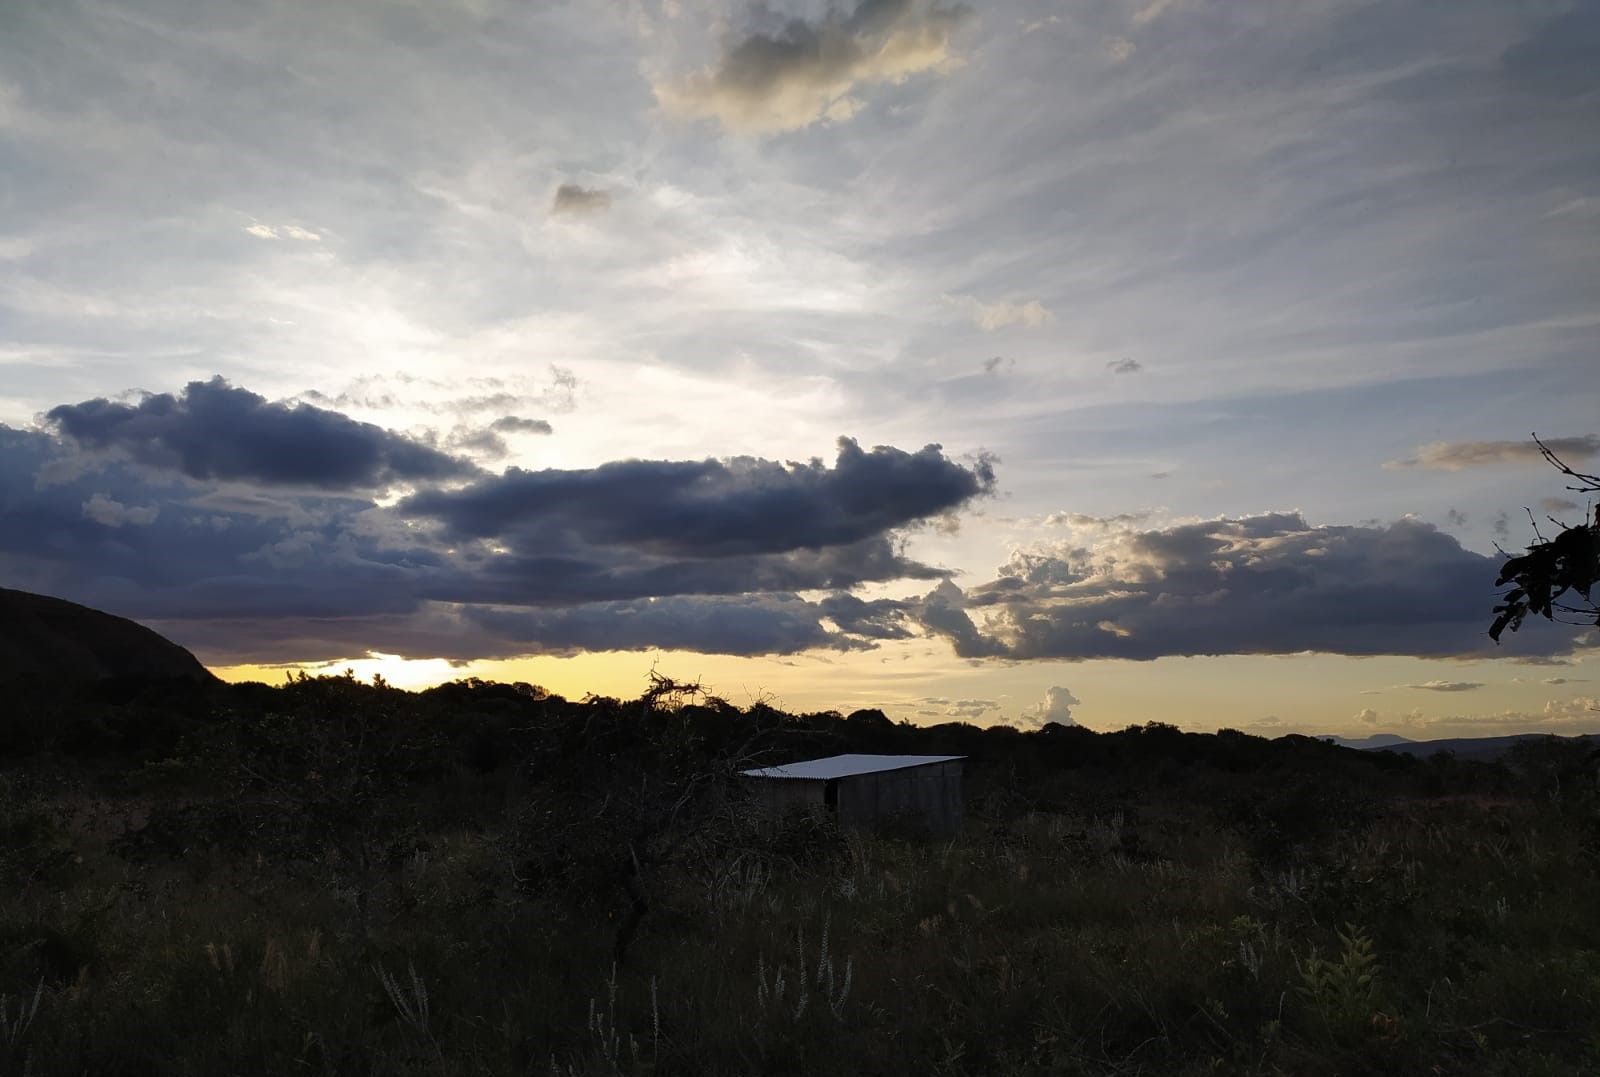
x: 1269, y: 584
x: 715, y: 508
x: 573, y: 199
x: 213, y: 430
x: 240, y: 571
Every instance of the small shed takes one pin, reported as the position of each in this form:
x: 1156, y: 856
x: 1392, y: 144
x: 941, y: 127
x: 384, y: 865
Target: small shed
x: 867, y: 791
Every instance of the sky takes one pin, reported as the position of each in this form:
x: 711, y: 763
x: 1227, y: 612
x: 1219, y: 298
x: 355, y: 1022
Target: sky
x: 1103, y: 361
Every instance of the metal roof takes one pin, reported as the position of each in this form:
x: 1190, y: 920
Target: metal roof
x: 845, y: 766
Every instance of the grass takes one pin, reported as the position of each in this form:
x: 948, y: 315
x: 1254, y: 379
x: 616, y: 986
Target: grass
x: 1112, y: 930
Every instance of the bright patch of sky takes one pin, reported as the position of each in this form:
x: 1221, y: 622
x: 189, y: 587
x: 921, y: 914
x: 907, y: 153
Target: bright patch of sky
x: 1317, y: 269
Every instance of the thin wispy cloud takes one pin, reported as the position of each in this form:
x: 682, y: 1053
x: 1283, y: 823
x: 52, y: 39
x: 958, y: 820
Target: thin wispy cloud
x: 1458, y: 455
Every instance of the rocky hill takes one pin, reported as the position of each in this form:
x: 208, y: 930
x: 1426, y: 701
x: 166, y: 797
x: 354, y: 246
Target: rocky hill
x: 44, y: 638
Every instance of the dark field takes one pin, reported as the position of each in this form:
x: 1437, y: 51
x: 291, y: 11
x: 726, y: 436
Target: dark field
x: 333, y: 877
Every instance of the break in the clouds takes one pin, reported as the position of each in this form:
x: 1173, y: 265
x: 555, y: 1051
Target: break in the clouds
x: 193, y: 512
x: 577, y: 200
x: 790, y: 73
x: 1457, y: 455
x: 216, y: 431
x: 1269, y: 584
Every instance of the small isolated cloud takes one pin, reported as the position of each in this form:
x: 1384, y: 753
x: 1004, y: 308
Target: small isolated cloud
x: 1002, y: 312
x: 112, y: 513
x: 1557, y: 504
x: 1566, y: 680
x: 283, y: 231
x: 578, y: 201
x: 807, y: 72
x: 1124, y: 366
x: 512, y: 424
x: 997, y: 364
x: 1119, y: 49
x: 1367, y: 716
x: 1457, y: 455
x: 213, y: 430
x: 1446, y: 686
x: 1055, y: 707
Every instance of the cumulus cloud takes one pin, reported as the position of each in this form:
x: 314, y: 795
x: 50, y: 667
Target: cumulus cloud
x: 1055, y: 707
x: 708, y: 555
x: 1268, y: 584
x: 1456, y: 455
x: 806, y: 72
x: 1367, y: 716
x: 579, y: 201
x: 213, y: 430
x: 999, y: 313
x: 716, y: 507
x: 104, y: 510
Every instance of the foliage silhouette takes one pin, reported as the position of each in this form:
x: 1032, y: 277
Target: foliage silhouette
x: 1568, y: 564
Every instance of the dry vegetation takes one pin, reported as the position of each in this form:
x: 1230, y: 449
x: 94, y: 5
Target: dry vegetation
x: 331, y: 877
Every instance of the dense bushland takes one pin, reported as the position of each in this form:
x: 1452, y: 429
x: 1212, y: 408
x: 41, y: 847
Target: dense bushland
x: 336, y: 877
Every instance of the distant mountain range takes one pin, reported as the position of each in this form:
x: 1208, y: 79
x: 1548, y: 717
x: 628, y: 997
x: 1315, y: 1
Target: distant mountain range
x: 50, y: 639
x: 1485, y: 748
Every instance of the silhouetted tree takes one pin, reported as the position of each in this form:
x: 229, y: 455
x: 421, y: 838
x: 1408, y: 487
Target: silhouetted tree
x: 1544, y: 578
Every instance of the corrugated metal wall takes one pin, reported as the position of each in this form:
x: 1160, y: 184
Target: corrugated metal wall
x: 928, y: 796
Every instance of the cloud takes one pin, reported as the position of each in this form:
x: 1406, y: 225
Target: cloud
x: 804, y: 72
x: 715, y: 508
x: 1268, y: 584
x: 1565, y: 680
x: 1445, y: 686
x: 996, y: 364
x: 213, y: 430
x: 707, y: 555
x: 103, y: 510
x: 1557, y: 504
x: 511, y: 424
x: 1002, y: 312
x: 1055, y: 707
x: 1124, y: 366
x: 284, y: 231
x: 580, y: 201
x: 1367, y: 716
x: 1456, y: 455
